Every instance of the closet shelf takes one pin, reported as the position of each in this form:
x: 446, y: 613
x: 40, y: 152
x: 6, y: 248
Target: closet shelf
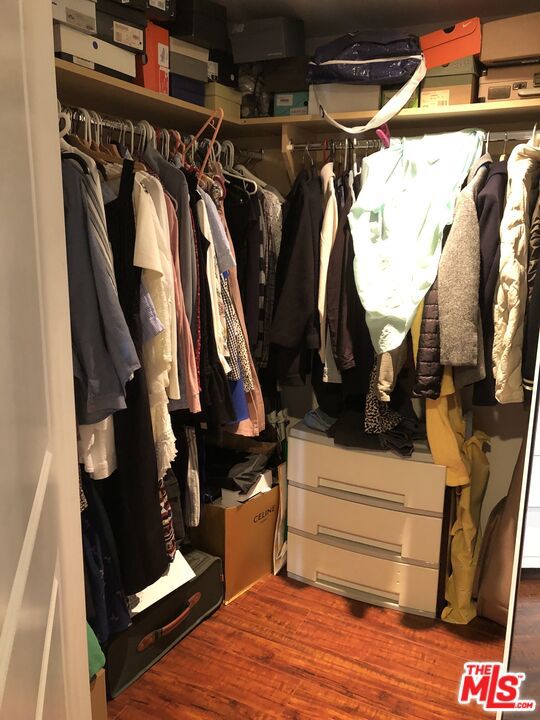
x: 81, y: 86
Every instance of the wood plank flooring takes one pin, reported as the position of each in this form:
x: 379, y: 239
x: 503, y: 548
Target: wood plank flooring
x: 525, y: 653
x: 287, y: 650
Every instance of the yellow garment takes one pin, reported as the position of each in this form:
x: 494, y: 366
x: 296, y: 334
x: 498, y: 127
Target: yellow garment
x: 415, y: 329
x: 466, y: 536
x: 468, y: 472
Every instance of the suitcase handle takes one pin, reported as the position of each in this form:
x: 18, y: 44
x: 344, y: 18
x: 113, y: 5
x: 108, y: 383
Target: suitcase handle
x: 155, y: 635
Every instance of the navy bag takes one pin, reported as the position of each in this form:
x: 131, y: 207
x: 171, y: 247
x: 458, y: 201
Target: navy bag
x: 364, y: 58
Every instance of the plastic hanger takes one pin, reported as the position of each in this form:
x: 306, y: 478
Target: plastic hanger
x: 227, y: 149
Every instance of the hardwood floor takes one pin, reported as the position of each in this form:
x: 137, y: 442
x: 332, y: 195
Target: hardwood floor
x: 287, y: 650
x: 525, y: 652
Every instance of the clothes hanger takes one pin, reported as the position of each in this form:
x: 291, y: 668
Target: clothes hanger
x: 250, y: 186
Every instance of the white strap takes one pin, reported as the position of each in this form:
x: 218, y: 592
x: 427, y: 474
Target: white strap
x: 386, y: 113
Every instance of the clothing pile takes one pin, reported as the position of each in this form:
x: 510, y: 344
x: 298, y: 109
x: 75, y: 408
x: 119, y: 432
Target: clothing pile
x: 160, y: 346
x: 405, y: 269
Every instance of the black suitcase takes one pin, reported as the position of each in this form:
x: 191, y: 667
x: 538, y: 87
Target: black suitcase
x: 156, y: 630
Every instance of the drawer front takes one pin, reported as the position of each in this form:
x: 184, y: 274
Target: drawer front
x: 404, y: 483
x: 363, y: 577
x: 401, y: 535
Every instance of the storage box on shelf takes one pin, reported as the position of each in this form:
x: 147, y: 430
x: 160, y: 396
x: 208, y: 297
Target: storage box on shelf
x: 267, y: 39
x: 454, y: 83
x: 389, y: 92
x: 79, y: 14
x: 88, y: 51
x: 222, y: 96
x: 161, y: 11
x: 201, y: 22
x: 153, y: 67
x: 511, y: 40
x: 121, y: 25
x: 514, y: 82
x: 365, y: 524
x: 221, y: 68
x: 340, y: 97
x: 187, y: 89
x: 291, y: 103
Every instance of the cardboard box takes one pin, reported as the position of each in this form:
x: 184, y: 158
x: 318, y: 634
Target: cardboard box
x: 98, y: 696
x: 448, y: 90
x: 222, y: 96
x: 292, y: 103
x: 511, y: 40
x: 79, y: 14
x: 510, y: 83
x: 153, y: 67
x: 341, y: 97
x: 188, y: 67
x: 389, y: 92
x: 452, y: 43
x: 243, y: 537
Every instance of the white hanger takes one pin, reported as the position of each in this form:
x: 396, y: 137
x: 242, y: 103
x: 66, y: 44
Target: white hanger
x: 131, y: 126
x: 66, y: 117
x: 250, y: 186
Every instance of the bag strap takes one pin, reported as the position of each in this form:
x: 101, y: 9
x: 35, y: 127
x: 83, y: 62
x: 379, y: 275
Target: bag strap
x: 396, y: 103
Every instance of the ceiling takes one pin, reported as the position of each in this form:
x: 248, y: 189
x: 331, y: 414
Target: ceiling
x: 327, y: 17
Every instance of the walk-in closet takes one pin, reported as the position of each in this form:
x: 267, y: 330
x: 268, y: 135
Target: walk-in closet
x: 270, y: 359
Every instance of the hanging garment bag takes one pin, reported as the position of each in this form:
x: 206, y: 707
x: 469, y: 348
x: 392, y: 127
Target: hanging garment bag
x: 366, y: 59
x: 158, y: 628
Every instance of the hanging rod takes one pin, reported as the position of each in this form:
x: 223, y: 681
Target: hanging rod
x: 251, y: 154
x: 338, y: 145
x: 511, y: 136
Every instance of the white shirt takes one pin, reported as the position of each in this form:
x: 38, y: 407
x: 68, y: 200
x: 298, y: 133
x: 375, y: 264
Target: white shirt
x: 157, y: 356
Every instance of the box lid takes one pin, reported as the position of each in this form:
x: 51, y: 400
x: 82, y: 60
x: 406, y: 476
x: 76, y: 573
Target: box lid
x: 442, y: 81
x: 452, y: 43
x: 181, y: 47
x: 466, y: 65
x: 130, y: 14
x: 215, y: 89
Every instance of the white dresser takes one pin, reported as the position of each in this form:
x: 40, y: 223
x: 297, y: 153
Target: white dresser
x: 365, y: 524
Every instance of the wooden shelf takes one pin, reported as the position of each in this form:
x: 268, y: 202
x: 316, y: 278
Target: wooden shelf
x: 80, y: 86
x: 484, y: 115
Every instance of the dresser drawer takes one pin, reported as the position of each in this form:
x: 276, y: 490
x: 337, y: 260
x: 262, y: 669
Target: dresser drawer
x: 401, y: 535
x: 375, y: 580
x: 404, y: 483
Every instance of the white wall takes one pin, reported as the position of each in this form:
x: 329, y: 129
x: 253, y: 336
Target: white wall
x: 506, y: 425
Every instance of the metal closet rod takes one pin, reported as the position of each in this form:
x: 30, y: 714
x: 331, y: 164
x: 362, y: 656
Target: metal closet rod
x: 338, y: 145
x: 509, y: 135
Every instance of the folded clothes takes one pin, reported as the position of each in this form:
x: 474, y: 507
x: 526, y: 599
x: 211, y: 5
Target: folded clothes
x: 349, y: 431
x: 318, y: 420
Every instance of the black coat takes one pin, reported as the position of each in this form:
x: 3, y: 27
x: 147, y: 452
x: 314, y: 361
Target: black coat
x: 429, y: 370
x: 295, y: 330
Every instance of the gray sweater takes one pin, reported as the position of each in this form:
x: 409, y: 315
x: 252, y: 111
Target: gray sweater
x: 459, y: 277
